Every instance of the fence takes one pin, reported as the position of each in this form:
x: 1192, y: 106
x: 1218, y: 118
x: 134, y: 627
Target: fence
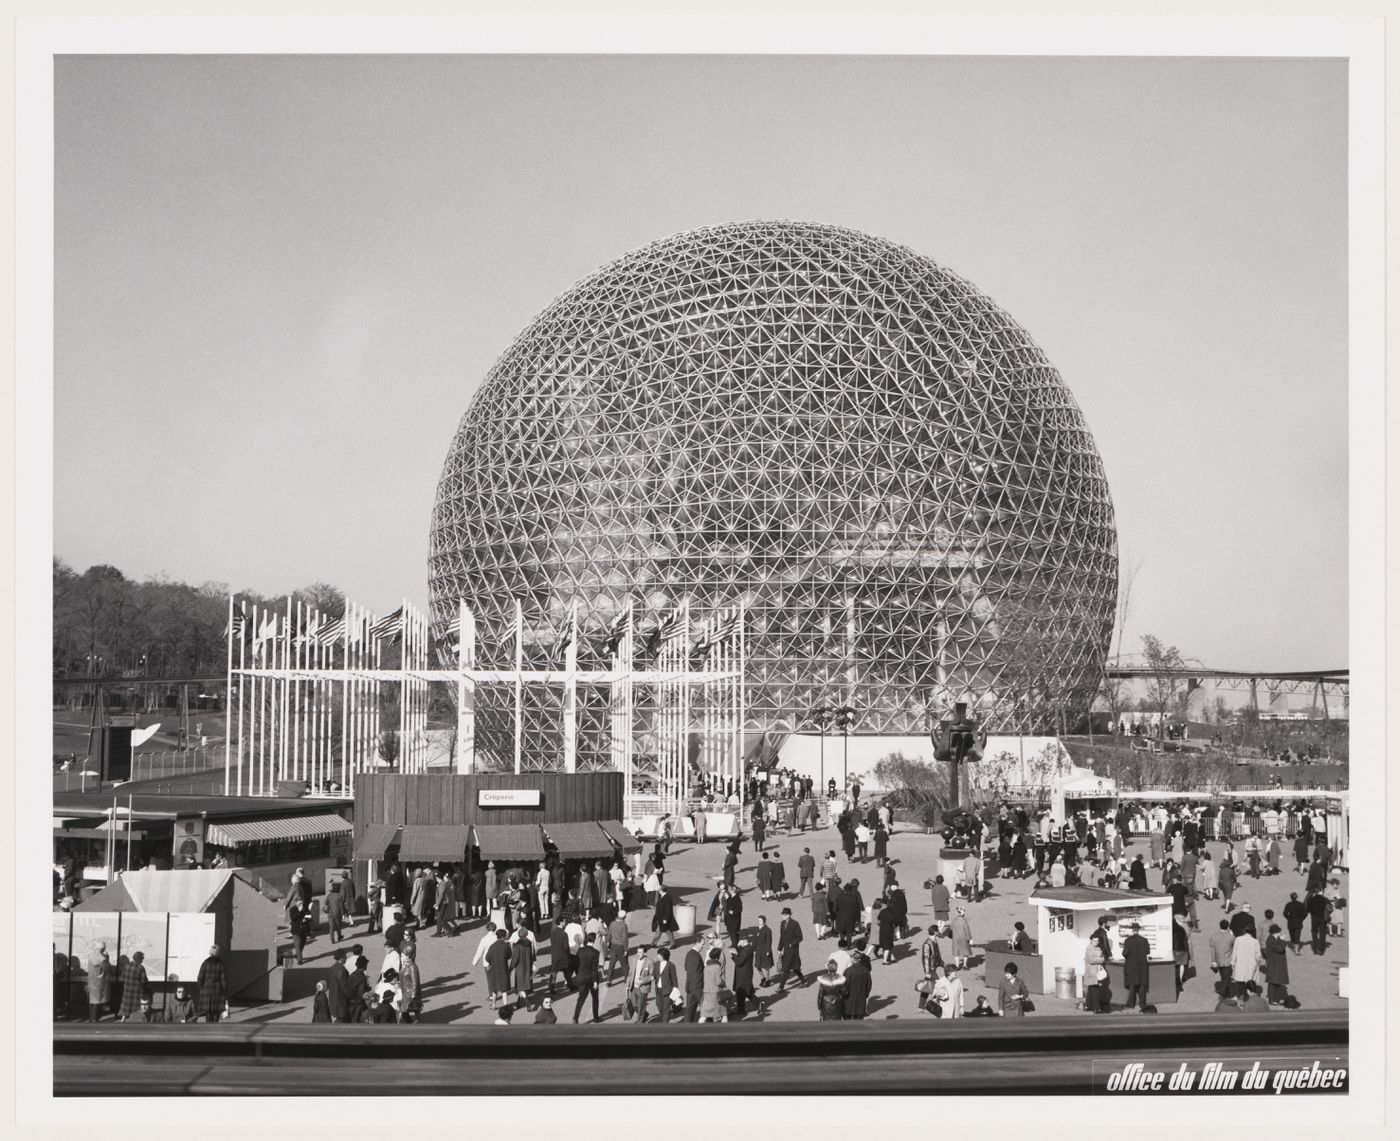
x: 172, y: 948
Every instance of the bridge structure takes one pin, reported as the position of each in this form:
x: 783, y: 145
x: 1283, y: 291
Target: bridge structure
x: 1277, y: 683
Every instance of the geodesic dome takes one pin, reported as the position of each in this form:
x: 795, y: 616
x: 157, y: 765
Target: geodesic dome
x: 852, y: 441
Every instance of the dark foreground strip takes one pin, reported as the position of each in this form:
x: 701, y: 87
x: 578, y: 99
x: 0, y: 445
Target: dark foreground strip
x: 1025, y: 1056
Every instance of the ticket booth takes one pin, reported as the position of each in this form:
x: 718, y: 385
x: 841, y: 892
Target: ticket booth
x: 1067, y: 916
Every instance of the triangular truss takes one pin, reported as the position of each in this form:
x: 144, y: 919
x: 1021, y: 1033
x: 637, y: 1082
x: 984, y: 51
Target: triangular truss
x: 830, y: 430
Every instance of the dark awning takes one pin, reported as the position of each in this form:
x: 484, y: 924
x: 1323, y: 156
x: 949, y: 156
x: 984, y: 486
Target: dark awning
x: 509, y: 841
x: 373, y: 840
x: 621, y: 836
x: 580, y: 841
x: 229, y: 834
x: 424, y: 842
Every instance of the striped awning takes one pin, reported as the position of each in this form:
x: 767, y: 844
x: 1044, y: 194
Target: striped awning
x: 579, y: 841
x: 621, y: 836
x: 431, y: 842
x: 373, y: 840
x: 228, y: 834
x: 509, y: 841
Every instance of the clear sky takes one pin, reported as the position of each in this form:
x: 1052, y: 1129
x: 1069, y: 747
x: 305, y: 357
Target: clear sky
x: 280, y: 279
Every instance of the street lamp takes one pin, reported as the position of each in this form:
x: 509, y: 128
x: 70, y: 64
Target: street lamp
x: 845, y: 720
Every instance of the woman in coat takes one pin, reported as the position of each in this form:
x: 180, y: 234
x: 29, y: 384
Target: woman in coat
x: 931, y: 955
x: 321, y: 1005
x: 410, y: 983
x: 710, y: 1009
x: 848, y: 911
x: 821, y: 914
x: 1276, y: 966
x: 1226, y: 878
x: 522, y: 962
x: 1275, y: 855
x: 763, y: 949
x: 446, y: 909
x: 858, y: 987
x: 882, y: 840
x: 1210, y: 881
x: 492, y: 886
x: 888, y: 922
x: 962, y: 940
x: 831, y: 995
x: 134, y: 984
x: 498, y: 967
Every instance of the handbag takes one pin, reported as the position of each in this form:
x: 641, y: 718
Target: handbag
x: 1027, y: 1005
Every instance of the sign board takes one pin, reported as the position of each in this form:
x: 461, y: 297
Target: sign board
x: 508, y: 798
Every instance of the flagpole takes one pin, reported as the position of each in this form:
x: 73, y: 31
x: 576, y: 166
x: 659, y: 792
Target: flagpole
x: 519, y: 693
x: 286, y: 686
x: 740, y: 702
x: 242, y: 689
x: 228, y: 702
x: 571, y: 692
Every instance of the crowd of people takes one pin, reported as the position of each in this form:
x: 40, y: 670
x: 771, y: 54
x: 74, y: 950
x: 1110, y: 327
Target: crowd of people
x: 569, y: 929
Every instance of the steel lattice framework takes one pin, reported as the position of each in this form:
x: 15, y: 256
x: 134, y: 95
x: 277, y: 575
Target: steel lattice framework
x: 827, y: 428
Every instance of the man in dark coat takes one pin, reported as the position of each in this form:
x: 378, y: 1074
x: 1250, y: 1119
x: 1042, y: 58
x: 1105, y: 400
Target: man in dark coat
x: 694, y: 984
x: 731, y: 863
x: 1317, y: 876
x: 666, y: 981
x: 395, y: 887
x: 338, y: 988
x: 559, y: 958
x: 498, y: 967
x: 587, y: 977
x: 848, y: 911
x: 1135, y: 953
x: 733, y: 913
x: 806, y: 867
x: 789, y: 949
x: 1294, y: 912
x: 357, y: 986
x: 898, y: 905
x: 213, y: 987
x: 663, y: 919
x: 763, y: 876
x: 778, y: 876
x: 743, y: 976
x: 335, y: 914
x: 1137, y: 874
x: 763, y: 949
x: 1318, y: 906
x: 759, y: 827
x: 858, y: 983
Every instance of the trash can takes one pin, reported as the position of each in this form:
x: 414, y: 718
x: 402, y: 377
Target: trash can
x: 1064, y: 983
x: 685, y: 919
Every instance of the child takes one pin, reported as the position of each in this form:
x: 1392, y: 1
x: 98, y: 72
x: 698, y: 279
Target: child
x: 321, y: 1004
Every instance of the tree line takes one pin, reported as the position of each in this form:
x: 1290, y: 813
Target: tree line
x: 106, y: 625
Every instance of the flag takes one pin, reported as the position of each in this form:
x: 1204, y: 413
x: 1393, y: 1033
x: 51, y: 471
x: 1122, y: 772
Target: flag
x: 1192, y: 684
x: 672, y: 628
x: 237, y: 625
x: 616, y: 629
x: 389, y: 624
x: 267, y: 630
x: 725, y: 627
x: 329, y: 633
x: 453, y: 627
x: 310, y: 630
x: 355, y: 630
x: 1274, y: 695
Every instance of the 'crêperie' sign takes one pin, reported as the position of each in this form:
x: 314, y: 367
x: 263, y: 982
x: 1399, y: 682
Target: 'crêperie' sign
x: 508, y: 797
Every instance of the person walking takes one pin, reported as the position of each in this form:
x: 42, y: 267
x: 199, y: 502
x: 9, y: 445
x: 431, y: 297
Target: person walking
x: 587, y: 978
x: 694, y: 984
x: 831, y: 994
x: 1276, y: 966
x: 497, y: 969
x: 961, y: 932
x: 1319, y: 911
x: 806, y: 870
x: 1210, y: 882
x: 732, y: 910
x: 1136, y: 950
x: 639, y: 987
x: 743, y: 957
x: 374, y: 900
x: 212, y: 982
x: 410, y: 983
x: 858, y: 983
x: 1222, y: 947
x: 790, y: 949
x: 881, y: 839
x: 763, y: 950
x: 1294, y: 913
x: 1245, y: 960
x: 320, y: 1003
x: 134, y: 985
x: 663, y: 919
x: 335, y: 919
x: 664, y: 974
x: 713, y: 983
x: 849, y: 908
x: 296, y: 922
x: 1226, y: 879
x: 617, y: 937
x: 522, y: 963
x: 942, y: 900
x: 99, y: 981
x: 1012, y: 993
x: 445, y: 906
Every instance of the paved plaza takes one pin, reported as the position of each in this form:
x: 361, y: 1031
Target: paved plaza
x: 455, y: 992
